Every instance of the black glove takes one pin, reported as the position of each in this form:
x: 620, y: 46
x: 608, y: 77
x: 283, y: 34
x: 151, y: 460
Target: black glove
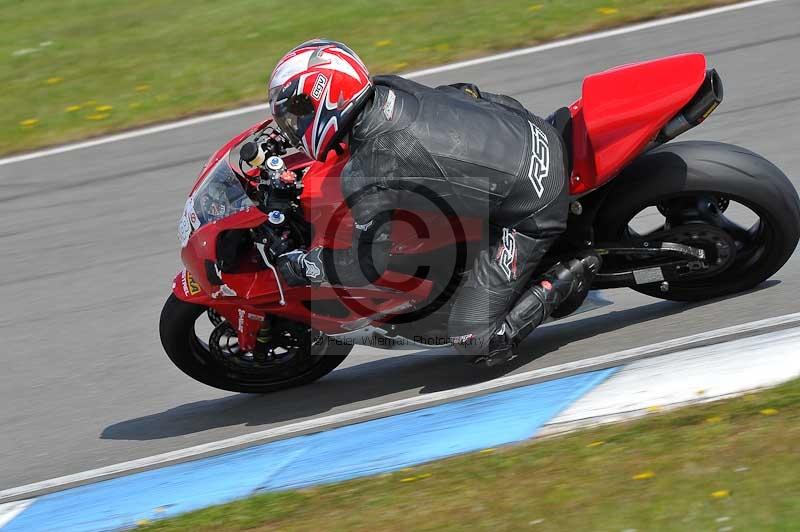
x: 301, y: 268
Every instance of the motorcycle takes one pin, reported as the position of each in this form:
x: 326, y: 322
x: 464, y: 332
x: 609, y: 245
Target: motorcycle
x: 264, y: 335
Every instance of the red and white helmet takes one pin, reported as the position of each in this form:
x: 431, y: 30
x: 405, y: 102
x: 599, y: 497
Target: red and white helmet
x: 315, y: 93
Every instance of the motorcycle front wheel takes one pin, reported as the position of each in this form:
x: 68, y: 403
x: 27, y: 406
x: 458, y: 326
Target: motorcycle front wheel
x: 296, y: 355
x: 688, y: 187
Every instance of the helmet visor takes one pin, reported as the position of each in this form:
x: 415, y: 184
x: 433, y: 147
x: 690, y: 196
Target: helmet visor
x: 293, y: 113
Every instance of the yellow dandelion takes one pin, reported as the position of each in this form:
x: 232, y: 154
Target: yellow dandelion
x: 713, y: 419
x: 97, y: 116
x: 769, y: 412
x: 408, y: 479
x: 596, y: 444
x: 103, y: 108
x: 384, y: 42
x: 142, y: 88
x: 720, y: 494
x: 30, y: 122
x: 653, y: 409
x: 55, y: 80
x: 135, y: 105
x: 643, y: 475
x: 535, y: 7
x: 607, y: 10
x: 399, y: 66
x: 73, y: 108
x: 407, y: 470
x: 487, y: 451
x: 142, y: 522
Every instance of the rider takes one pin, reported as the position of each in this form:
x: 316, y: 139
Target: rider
x: 483, y: 152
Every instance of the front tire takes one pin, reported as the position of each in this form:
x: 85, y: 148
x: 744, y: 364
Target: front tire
x: 710, y: 169
x: 193, y: 357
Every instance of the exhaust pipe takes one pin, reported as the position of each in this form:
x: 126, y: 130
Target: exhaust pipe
x: 708, y: 98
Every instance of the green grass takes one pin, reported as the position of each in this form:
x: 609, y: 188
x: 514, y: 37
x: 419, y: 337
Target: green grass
x: 76, y: 68
x: 732, y: 463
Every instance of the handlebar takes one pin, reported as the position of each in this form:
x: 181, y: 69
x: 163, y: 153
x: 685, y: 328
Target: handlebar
x: 270, y: 142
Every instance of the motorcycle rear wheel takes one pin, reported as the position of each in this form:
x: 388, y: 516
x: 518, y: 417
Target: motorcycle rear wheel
x: 699, y: 169
x: 194, y: 357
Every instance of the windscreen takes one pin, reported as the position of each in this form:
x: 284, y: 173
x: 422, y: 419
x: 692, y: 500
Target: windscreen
x: 218, y: 196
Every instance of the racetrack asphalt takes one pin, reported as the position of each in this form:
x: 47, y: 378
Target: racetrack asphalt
x: 90, y: 249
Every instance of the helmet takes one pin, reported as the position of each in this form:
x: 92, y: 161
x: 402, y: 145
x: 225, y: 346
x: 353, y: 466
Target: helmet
x: 315, y: 93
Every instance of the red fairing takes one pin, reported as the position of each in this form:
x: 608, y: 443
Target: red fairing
x: 323, y: 203
x: 621, y: 110
x: 250, y: 280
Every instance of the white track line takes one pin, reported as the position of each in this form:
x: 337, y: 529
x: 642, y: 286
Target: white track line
x: 385, y: 409
x: 419, y: 73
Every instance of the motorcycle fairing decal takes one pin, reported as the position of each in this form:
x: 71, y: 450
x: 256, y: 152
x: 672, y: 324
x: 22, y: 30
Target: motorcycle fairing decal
x: 188, y: 222
x: 191, y: 293
x: 540, y: 159
x: 224, y: 291
x: 184, y: 230
x: 507, y: 254
x: 190, y: 286
x: 240, y: 323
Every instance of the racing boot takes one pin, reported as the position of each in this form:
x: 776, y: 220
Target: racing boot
x: 577, y: 296
x: 558, y: 286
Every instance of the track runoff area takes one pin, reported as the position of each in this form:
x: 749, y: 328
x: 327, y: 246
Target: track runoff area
x: 402, y: 433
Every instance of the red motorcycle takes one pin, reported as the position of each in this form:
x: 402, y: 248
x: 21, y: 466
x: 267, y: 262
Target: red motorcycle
x: 263, y: 335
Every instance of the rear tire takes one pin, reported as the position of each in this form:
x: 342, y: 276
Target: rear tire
x: 685, y: 168
x: 178, y: 337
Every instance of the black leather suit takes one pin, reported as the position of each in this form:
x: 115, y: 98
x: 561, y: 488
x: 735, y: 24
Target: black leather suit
x: 487, y: 157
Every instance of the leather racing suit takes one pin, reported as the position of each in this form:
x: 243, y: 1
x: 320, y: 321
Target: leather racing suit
x: 487, y: 157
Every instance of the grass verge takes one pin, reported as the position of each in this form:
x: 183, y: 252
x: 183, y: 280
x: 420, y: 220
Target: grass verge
x: 727, y: 465
x: 79, y: 68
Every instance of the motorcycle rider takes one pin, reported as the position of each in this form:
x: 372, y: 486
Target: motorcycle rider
x: 483, y: 152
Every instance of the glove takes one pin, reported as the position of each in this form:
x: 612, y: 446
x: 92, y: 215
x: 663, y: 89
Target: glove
x: 300, y: 268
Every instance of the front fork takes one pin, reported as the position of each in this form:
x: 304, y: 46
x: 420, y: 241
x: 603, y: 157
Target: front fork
x: 249, y: 325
